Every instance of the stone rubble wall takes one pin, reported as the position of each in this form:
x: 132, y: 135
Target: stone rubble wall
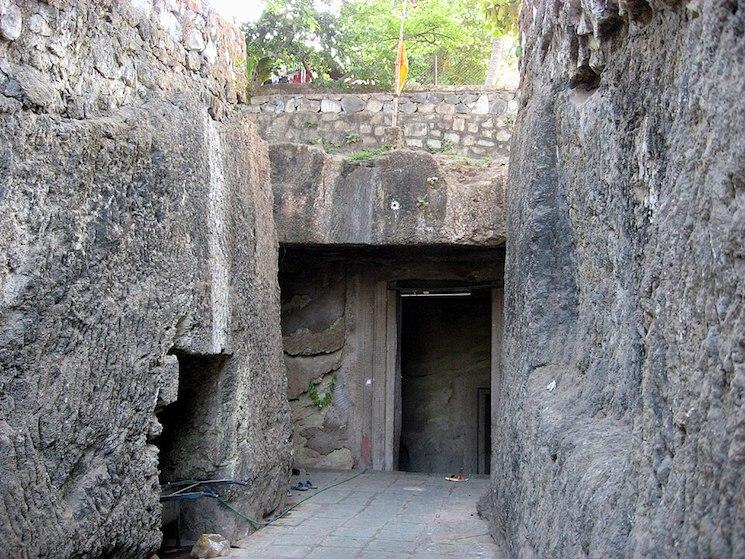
x: 469, y: 123
x: 621, y: 414
x: 85, y: 58
x: 135, y: 221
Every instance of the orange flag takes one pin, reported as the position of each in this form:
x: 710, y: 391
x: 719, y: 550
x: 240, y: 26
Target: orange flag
x: 402, y: 67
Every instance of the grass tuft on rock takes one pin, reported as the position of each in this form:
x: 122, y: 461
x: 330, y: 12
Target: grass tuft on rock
x: 368, y: 153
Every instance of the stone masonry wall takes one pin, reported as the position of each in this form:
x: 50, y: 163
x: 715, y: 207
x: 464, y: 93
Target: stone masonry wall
x: 84, y: 58
x: 135, y: 223
x: 469, y: 123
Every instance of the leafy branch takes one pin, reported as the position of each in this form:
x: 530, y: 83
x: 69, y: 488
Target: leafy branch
x: 502, y: 15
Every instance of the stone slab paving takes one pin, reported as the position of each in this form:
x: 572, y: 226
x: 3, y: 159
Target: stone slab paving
x: 378, y: 515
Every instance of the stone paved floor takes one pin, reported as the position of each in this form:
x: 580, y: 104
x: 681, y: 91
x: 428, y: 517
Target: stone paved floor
x: 378, y: 515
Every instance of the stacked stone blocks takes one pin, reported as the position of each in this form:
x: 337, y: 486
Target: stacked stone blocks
x: 472, y: 123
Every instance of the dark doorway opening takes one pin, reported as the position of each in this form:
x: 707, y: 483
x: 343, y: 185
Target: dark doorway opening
x: 483, y: 397
x: 190, y: 440
x: 445, y: 360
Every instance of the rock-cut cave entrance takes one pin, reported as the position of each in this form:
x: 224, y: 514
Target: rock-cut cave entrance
x: 189, y: 445
x: 445, y: 370
x: 390, y: 355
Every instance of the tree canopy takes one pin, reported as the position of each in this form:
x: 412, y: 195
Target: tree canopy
x: 358, y: 43
x: 452, y: 30
x: 291, y: 34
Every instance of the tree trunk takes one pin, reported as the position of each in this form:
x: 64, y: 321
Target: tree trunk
x: 499, y: 49
x: 306, y: 65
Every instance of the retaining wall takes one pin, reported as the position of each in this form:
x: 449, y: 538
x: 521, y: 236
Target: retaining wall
x: 468, y: 122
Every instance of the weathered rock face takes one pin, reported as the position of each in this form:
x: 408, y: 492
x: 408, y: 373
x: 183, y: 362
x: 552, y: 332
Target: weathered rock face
x: 125, y: 237
x: 316, y: 326
x: 400, y: 198
x: 622, y: 423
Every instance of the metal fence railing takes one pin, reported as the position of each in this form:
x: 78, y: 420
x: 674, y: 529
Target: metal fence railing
x: 431, y: 71
x: 441, y: 71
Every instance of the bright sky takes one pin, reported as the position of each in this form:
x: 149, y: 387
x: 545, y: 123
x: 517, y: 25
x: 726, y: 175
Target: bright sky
x: 250, y: 10
x: 240, y: 10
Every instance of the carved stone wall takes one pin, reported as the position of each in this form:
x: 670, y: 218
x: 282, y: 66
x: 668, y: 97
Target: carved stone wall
x: 331, y: 319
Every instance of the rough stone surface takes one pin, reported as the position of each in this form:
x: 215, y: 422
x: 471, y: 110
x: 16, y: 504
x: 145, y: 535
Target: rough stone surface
x: 11, y: 21
x: 622, y: 416
x: 328, y: 106
x: 400, y: 198
x: 113, y: 254
x: 346, y: 121
x: 97, y: 55
x: 143, y: 230
x: 314, y: 311
x: 352, y: 104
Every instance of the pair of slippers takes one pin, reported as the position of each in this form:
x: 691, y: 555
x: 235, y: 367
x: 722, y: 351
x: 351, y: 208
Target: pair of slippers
x: 303, y: 486
x: 456, y: 477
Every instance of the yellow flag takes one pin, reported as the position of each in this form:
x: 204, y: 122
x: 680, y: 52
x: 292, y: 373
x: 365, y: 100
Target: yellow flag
x: 402, y: 67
